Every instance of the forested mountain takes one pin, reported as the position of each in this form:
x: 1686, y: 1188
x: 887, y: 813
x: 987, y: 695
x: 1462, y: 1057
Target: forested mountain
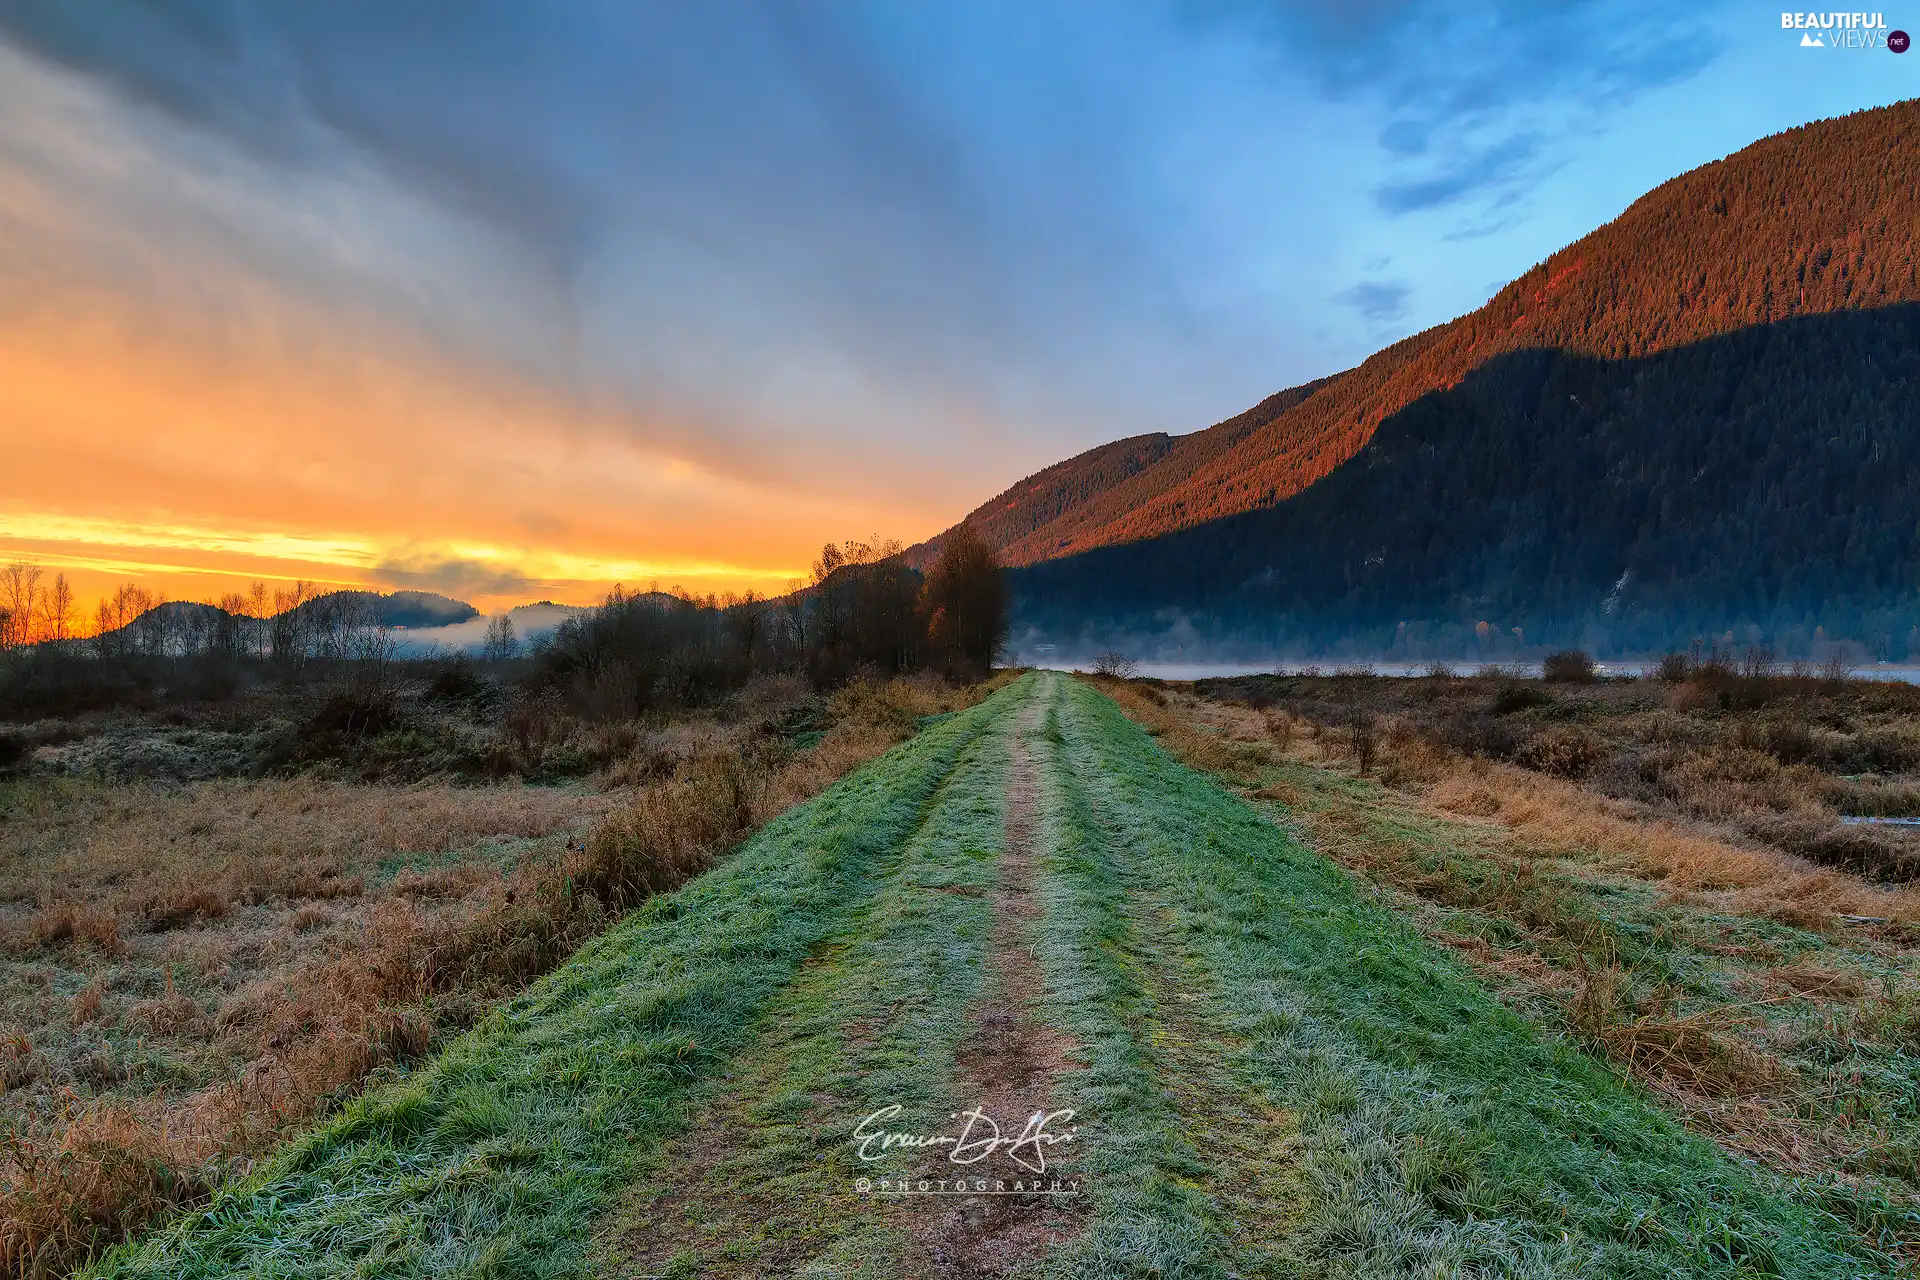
x: 1764, y: 483
x: 1706, y: 404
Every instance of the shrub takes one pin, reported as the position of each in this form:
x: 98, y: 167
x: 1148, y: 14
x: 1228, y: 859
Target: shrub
x: 1569, y: 666
x: 1562, y: 750
x: 1363, y: 731
x: 1478, y: 735
x: 1116, y: 665
x: 1512, y: 696
x: 1673, y: 669
x: 455, y: 679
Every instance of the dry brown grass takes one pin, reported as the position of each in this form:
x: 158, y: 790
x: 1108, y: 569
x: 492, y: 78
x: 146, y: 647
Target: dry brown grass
x: 1699, y: 1051
x: 1563, y: 819
x: 1773, y: 760
x: 140, y: 921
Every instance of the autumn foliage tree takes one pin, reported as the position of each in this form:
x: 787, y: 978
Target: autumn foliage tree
x: 965, y: 604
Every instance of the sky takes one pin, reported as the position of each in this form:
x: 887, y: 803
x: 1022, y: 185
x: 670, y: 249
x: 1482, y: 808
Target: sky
x: 515, y: 301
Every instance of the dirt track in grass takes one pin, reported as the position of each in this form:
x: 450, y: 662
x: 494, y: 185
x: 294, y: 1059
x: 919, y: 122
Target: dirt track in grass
x: 1012, y: 1070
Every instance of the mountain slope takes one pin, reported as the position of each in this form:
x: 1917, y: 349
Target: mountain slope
x: 1035, y: 518
x: 1818, y: 219
x: 1764, y: 483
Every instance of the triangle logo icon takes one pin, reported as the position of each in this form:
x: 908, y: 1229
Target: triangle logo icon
x: 1811, y: 41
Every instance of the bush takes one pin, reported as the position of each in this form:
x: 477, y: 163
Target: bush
x: 1115, y: 664
x: 1673, y: 669
x: 1569, y: 666
x: 1364, y: 732
x: 1511, y: 697
x: 1478, y: 735
x: 456, y: 679
x: 1562, y: 750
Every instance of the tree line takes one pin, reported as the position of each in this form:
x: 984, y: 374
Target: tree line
x: 863, y: 611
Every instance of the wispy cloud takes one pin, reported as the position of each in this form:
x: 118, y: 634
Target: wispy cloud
x: 1479, y: 98
x: 1378, y: 302
x: 1464, y: 175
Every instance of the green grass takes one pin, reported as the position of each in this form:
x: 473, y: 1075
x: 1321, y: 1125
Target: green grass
x: 1854, y: 1077
x: 496, y: 1159
x: 1439, y: 1132
x: 766, y: 1172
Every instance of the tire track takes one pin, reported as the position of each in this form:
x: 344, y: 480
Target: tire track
x: 1012, y: 1067
x: 763, y: 1182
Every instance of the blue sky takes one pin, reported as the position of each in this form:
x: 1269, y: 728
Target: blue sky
x: 782, y: 271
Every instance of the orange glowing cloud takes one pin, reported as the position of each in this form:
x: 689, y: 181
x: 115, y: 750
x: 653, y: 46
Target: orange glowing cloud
x: 214, y: 373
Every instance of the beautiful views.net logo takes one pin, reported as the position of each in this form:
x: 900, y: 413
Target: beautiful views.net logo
x: 1844, y: 31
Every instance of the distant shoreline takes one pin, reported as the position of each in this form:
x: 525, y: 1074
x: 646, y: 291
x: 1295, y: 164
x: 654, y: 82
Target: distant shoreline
x: 1906, y: 672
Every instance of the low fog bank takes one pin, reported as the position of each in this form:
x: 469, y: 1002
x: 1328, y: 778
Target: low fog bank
x: 530, y: 622
x: 1179, y: 650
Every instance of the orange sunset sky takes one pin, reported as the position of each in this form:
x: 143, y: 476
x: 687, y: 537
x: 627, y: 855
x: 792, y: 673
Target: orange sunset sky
x: 212, y: 373
x: 220, y: 365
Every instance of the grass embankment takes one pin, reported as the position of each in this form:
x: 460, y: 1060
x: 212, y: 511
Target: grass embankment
x: 494, y: 1158
x: 191, y: 973
x: 1274, y: 1072
x: 1769, y: 1004
x: 1435, y: 1129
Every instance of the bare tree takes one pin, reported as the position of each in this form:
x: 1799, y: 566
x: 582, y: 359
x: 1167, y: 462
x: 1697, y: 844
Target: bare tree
x: 290, y: 633
x: 501, y: 642
x: 20, y: 595
x: 56, y: 609
x: 258, y: 610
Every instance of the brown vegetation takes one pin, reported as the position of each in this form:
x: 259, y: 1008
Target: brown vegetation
x: 1770, y: 762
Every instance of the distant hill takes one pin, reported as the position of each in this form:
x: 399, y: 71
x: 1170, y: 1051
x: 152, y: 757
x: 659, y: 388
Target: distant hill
x: 1765, y: 483
x: 403, y: 610
x: 1699, y: 418
x: 409, y: 609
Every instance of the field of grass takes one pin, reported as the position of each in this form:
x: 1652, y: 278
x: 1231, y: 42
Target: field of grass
x: 1274, y: 1065
x: 1769, y: 1003
x: 194, y: 969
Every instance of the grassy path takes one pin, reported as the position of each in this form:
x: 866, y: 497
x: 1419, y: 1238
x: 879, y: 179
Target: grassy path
x: 1028, y: 908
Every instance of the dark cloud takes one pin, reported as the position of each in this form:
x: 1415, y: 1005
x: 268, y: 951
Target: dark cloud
x: 453, y: 578
x: 1378, y: 302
